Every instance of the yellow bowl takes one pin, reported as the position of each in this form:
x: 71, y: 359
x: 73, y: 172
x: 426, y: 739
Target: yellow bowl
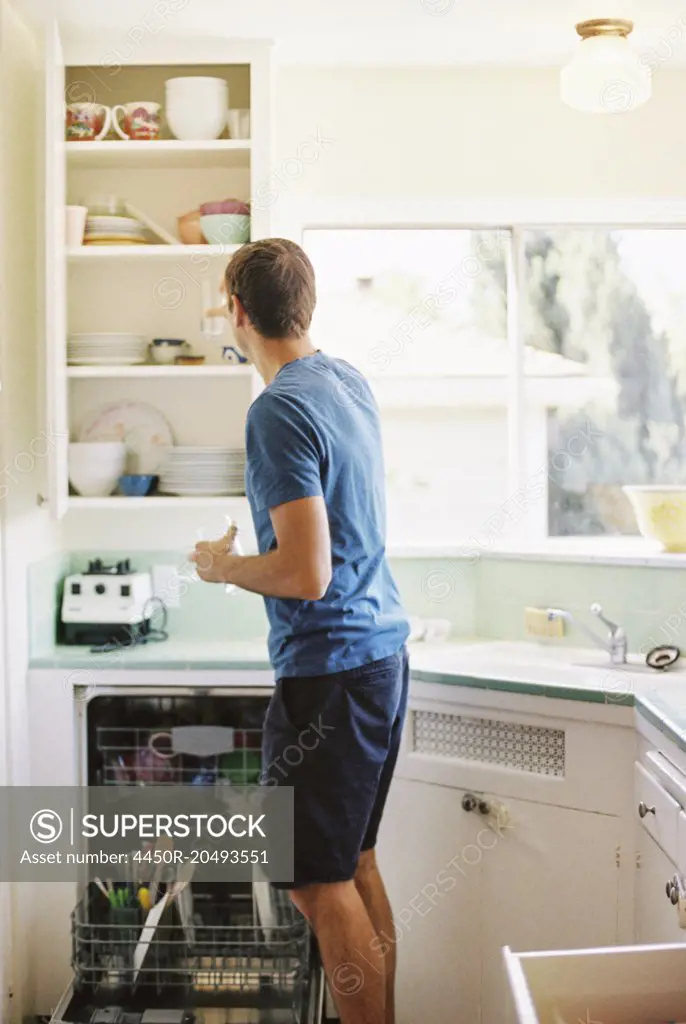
x: 661, y: 514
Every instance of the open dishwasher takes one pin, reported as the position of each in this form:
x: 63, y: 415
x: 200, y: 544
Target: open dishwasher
x: 211, y: 958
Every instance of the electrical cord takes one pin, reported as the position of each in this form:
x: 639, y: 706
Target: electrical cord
x: 153, y: 636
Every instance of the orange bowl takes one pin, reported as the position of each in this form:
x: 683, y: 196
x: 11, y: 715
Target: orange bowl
x: 189, y: 229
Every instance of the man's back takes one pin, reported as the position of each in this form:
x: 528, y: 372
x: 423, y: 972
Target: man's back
x: 315, y: 431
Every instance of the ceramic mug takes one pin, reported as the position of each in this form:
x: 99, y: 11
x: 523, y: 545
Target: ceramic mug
x: 88, y: 122
x: 141, y: 120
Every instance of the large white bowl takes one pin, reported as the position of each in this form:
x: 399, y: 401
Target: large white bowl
x: 661, y: 514
x: 95, y: 468
x: 195, y: 107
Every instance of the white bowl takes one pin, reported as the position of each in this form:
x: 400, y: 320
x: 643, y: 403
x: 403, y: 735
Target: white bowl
x: 96, y: 453
x: 661, y: 514
x: 89, y: 486
x: 94, y: 469
x: 195, y: 108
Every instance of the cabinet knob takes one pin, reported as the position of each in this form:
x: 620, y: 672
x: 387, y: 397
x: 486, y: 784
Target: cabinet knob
x: 643, y: 809
x: 469, y: 802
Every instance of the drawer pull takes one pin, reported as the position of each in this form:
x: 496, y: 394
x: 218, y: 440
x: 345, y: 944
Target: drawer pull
x: 470, y: 802
x: 643, y: 809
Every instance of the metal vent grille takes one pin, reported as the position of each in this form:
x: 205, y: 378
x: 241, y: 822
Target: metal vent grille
x: 526, y: 748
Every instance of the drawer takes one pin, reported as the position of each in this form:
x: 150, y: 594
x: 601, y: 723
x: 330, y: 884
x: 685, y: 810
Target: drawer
x: 629, y: 985
x: 656, y: 811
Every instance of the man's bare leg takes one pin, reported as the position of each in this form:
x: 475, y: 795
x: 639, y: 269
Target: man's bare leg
x: 373, y: 892
x: 353, y: 964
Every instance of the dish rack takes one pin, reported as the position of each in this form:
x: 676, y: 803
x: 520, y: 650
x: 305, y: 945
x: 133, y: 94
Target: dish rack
x: 228, y: 960
x: 179, y: 755
x: 220, y: 960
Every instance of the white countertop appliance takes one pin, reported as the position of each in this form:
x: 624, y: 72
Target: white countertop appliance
x: 106, y: 604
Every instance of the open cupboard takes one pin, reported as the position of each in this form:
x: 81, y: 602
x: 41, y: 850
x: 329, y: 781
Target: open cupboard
x: 152, y: 290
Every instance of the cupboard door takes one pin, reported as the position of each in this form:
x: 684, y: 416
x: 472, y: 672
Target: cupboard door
x: 656, y: 917
x: 431, y: 862
x: 55, y: 274
x: 549, y: 882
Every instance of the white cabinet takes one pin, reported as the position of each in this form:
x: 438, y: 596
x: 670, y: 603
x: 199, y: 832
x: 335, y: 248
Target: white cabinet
x: 550, y: 882
x: 656, y: 918
x: 550, y: 867
x: 431, y: 859
x: 151, y: 290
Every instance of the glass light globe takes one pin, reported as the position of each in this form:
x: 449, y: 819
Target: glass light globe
x: 605, y: 77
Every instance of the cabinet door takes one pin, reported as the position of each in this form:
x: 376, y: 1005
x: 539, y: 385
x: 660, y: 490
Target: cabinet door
x: 55, y: 275
x: 431, y: 862
x: 656, y: 918
x: 549, y: 882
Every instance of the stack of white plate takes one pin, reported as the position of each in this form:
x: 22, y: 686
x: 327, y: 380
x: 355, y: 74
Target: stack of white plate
x: 202, y: 472
x: 106, y: 349
x: 107, y: 229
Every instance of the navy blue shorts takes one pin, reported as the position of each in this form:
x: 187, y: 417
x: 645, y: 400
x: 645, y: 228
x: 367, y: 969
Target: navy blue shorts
x: 335, y: 740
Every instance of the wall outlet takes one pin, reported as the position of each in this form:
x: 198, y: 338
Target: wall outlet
x: 538, y: 623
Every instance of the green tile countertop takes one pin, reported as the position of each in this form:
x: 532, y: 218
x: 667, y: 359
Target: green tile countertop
x: 170, y: 654
x: 542, y: 670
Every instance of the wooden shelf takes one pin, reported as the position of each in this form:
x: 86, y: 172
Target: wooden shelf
x: 236, y: 503
x: 88, y: 253
x: 222, y: 370
x: 171, y: 153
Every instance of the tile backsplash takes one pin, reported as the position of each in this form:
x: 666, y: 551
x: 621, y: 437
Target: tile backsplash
x: 486, y: 598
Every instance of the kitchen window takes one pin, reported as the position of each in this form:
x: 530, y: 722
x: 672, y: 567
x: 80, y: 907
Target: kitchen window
x: 524, y: 374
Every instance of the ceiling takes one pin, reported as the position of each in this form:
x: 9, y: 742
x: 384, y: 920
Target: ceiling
x: 390, y: 33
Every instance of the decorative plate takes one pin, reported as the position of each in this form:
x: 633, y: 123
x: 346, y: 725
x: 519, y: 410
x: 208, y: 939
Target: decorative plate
x: 141, y: 427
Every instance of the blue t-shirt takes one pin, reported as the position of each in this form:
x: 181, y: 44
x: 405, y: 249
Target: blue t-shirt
x: 315, y: 431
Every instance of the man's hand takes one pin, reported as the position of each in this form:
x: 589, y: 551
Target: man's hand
x: 213, y: 557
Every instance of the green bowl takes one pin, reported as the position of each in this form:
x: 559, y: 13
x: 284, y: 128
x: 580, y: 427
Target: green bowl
x: 225, y: 228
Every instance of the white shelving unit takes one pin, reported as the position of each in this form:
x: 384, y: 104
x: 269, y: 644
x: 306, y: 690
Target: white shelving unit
x: 155, y: 372
x: 87, y: 253
x: 151, y: 290
x: 233, y: 506
x: 166, y: 153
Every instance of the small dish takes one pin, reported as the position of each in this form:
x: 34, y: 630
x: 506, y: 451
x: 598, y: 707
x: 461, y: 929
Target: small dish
x: 136, y: 485
x: 189, y: 360
x: 165, y: 350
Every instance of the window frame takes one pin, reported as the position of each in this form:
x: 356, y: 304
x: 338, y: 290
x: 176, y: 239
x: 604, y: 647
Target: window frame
x: 293, y: 216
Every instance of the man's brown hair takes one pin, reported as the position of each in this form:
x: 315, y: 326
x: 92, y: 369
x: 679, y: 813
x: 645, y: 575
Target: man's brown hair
x: 274, y: 280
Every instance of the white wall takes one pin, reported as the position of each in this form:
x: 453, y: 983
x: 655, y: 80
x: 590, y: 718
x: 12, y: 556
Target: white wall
x: 25, y: 530
x: 468, y: 133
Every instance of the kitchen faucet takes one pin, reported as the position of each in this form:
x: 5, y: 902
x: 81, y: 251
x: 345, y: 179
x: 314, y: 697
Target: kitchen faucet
x: 616, y: 642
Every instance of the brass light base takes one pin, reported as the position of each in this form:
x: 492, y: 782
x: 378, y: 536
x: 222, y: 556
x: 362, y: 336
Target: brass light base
x: 605, y: 27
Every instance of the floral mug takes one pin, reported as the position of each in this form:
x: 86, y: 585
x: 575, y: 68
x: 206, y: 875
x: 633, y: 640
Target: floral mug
x: 141, y: 120
x: 88, y: 122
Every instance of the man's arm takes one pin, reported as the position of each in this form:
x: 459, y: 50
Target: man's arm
x: 299, y: 566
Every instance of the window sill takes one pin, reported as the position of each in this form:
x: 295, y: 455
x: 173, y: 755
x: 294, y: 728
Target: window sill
x: 619, y: 551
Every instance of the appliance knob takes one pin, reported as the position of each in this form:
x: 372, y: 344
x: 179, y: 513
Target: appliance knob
x: 100, y: 588
x: 484, y: 807
x: 469, y: 802
x: 669, y: 888
x: 643, y: 809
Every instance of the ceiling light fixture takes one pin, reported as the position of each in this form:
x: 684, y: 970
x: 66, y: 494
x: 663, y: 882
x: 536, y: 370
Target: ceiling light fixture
x: 605, y: 76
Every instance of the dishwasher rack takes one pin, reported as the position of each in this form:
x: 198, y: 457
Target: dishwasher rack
x: 225, y: 956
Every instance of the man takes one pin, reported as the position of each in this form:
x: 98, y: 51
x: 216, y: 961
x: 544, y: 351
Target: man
x: 315, y: 482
